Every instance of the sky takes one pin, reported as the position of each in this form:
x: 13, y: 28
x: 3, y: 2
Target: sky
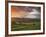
x: 25, y: 12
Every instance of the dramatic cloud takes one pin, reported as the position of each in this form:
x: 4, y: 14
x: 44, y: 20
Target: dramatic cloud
x: 25, y: 12
x: 34, y: 14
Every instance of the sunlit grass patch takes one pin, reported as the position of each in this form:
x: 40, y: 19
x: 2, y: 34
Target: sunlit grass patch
x: 17, y: 26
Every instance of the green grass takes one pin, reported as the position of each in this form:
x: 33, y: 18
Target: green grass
x: 17, y: 26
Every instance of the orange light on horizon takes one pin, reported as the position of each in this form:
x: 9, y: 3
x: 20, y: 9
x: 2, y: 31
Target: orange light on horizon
x: 17, y: 13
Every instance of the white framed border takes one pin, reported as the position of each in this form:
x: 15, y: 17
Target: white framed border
x: 27, y: 31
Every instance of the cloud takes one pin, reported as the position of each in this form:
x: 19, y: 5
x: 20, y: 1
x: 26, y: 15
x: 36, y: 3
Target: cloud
x: 33, y: 15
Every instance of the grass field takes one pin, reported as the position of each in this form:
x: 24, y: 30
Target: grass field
x: 17, y: 26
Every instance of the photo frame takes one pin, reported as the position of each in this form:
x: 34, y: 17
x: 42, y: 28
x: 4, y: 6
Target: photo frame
x: 12, y: 6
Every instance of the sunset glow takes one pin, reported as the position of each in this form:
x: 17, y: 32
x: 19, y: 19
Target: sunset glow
x: 25, y: 12
x: 18, y: 12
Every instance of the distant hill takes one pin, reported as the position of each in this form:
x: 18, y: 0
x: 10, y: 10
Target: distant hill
x: 24, y: 19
